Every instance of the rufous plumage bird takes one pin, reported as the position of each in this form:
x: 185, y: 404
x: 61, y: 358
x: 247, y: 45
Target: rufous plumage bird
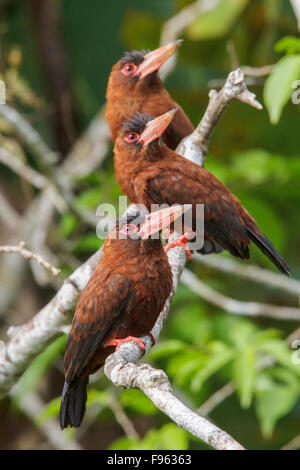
x: 134, y: 85
x: 120, y: 303
x: 149, y: 173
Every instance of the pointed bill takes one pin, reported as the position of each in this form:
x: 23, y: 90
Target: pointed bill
x: 155, y: 59
x: 159, y: 220
x: 155, y: 128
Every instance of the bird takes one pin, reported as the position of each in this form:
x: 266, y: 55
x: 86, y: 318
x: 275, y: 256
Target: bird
x: 121, y: 302
x: 134, y: 85
x: 150, y: 173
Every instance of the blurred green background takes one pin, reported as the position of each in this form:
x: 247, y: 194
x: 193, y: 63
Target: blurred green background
x: 202, y: 347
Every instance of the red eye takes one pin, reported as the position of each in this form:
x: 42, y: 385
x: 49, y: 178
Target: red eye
x: 130, y: 229
x: 128, y: 69
x: 132, y: 137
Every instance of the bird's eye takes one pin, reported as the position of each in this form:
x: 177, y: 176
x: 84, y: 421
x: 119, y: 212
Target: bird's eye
x: 130, y: 229
x: 132, y: 137
x: 128, y: 69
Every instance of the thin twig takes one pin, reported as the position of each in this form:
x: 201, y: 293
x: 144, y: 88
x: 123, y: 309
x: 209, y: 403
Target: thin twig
x: 29, y: 255
x: 234, y: 88
x: 252, y: 309
x: 247, y: 271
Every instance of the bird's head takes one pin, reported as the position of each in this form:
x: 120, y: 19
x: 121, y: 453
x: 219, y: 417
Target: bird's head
x: 138, y: 69
x: 141, y: 229
x: 141, y: 134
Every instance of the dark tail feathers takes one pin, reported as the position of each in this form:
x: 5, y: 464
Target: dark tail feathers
x: 268, y: 249
x: 73, y: 403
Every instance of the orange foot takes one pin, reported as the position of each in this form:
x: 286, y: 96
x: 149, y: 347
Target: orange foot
x: 182, y: 241
x: 118, y: 342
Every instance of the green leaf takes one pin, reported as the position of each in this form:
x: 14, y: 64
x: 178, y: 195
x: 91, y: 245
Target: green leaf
x: 87, y: 243
x: 167, y: 348
x: 288, y: 44
x: 37, y: 369
x: 278, y: 87
x: 68, y: 224
x: 171, y: 437
x: 244, y: 374
x: 281, y: 352
x: 137, y: 401
x: 95, y: 396
x: 219, y: 357
x: 273, y: 401
x: 51, y: 410
x: 218, y: 21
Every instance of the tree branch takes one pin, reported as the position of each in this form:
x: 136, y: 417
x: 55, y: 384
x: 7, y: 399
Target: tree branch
x: 234, y: 88
x: 29, y: 255
x: 247, y: 271
x: 252, y: 309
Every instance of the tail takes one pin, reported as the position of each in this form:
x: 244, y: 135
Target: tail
x: 268, y: 249
x: 73, y: 403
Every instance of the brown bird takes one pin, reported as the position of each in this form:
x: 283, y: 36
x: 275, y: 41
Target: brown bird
x: 149, y: 173
x: 120, y: 303
x: 134, y: 85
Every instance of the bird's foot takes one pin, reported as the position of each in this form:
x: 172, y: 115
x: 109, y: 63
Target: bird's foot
x: 182, y: 241
x: 152, y: 337
x: 118, y: 342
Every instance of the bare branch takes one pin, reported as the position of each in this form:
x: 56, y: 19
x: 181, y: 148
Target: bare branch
x: 29, y: 255
x: 90, y: 149
x: 32, y: 405
x: 256, y: 274
x: 8, y: 215
x: 296, y: 7
x: 121, y: 369
x: 122, y: 418
x: 294, y: 444
x: 252, y: 309
x: 234, y: 88
x: 29, y: 136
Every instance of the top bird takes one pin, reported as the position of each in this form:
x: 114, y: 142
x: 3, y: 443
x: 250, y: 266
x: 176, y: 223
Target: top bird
x: 134, y: 85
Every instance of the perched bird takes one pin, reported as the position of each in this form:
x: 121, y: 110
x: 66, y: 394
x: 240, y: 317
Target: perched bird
x: 134, y: 85
x: 149, y: 173
x: 120, y: 303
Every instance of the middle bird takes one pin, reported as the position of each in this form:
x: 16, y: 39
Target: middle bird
x: 149, y: 172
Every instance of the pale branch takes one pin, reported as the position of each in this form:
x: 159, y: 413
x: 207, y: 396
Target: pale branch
x: 32, y: 406
x: 122, y: 418
x: 258, y: 72
x: 228, y: 389
x: 296, y: 7
x: 294, y: 444
x: 27, y: 254
x: 90, y: 149
x: 121, y: 369
x: 235, y: 88
x: 28, y: 340
x: 176, y: 25
x: 252, y: 309
x: 8, y: 214
x: 29, y: 136
x: 247, y: 271
x: 32, y: 176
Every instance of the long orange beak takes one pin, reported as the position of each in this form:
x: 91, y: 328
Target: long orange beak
x: 155, y: 128
x: 159, y: 220
x: 155, y: 59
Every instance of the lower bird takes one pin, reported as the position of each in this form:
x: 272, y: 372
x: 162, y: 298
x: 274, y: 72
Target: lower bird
x: 120, y: 303
x: 150, y: 173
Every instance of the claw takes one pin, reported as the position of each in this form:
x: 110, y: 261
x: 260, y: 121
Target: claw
x: 182, y: 241
x: 118, y: 342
